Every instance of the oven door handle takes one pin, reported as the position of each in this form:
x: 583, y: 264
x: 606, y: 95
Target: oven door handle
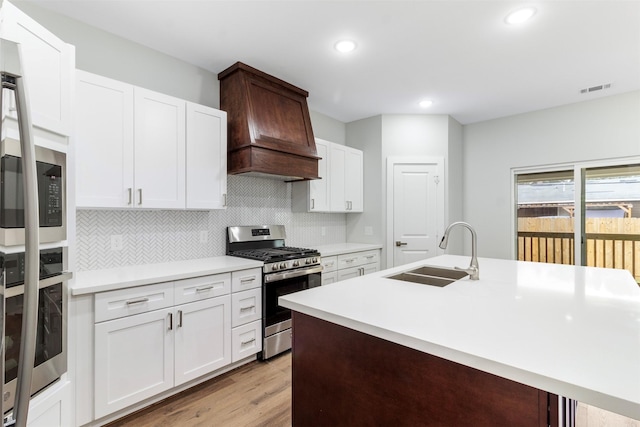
x: 274, y: 277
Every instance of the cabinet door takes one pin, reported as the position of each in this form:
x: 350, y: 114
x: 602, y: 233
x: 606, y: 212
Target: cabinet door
x: 206, y: 157
x: 104, y: 142
x: 370, y: 268
x: 353, y: 180
x: 319, y: 188
x: 202, y: 337
x: 133, y: 359
x: 349, y: 273
x: 337, y: 183
x: 159, y: 132
x: 246, y: 340
x: 330, y: 277
x: 48, y: 63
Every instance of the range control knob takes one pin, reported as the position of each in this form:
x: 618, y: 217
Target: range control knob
x: 307, y: 261
x: 283, y: 265
x: 296, y: 263
x: 315, y: 260
x: 274, y: 267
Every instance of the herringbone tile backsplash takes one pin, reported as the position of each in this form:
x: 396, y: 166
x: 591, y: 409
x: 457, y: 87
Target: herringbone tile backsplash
x: 164, y: 235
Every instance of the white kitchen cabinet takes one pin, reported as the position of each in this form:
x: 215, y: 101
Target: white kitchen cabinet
x: 133, y: 359
x: 162, y: 345
x: 246, y: 317
x: 104, y: 142
x: 329, y: 269
x: 141, y: 149
x: 159, y: 150
x: 313, y: 195
x: 206, y: 157
x: 346, y: 179
x: 48, y: 63
x: 341, y: 187
x: 354, y: 264
x: 202, y: 338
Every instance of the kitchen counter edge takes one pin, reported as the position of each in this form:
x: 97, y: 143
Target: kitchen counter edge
x: 93, y: 281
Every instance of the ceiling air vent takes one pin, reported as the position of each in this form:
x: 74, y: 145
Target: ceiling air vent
x: 596, y: 88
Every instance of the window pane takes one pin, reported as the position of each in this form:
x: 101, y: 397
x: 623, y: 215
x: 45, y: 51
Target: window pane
x: 612, y: 218
x: 545, y: 215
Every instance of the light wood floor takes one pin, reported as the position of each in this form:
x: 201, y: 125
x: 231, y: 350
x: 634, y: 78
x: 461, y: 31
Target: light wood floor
x: 256, y: 394
x: 259, y: 395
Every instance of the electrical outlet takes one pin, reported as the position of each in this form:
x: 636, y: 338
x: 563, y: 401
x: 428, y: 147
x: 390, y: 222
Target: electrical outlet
x: 204, y: 236
x: 116, y: 242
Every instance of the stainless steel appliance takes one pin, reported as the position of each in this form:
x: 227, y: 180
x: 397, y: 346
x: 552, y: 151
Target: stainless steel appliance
x: 50, y: 168
x: 13, y: 83
x: 51, y: 336
x: 286, y: 270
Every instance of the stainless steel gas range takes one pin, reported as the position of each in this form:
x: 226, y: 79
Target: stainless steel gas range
x: 286, y: 270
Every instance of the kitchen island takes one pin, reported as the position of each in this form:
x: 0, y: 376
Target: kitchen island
x: 495, y: 351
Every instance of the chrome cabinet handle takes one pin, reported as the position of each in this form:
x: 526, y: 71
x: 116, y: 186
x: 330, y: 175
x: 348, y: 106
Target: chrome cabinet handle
x: 170, y: 321
x: 139, y: 196
x: 399, y: 243
x: 247, y: 279
x: 224, y: 198
x: 204, y: 288
x: 247, y: 308
x: 248, y: 342
x: 313, y: 203
x: 130, y: 190
x: 179, y: 318
x: 137, y: 301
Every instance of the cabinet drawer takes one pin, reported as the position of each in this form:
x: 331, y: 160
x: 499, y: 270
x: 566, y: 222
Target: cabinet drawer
x: 200, y: 288
x: 246, y: 306
x: 246, y: 279
x: 329, y: 263
x: 369, y: 257
x: 349, y: 260
x: 246, y: 340
x: 125, y: 302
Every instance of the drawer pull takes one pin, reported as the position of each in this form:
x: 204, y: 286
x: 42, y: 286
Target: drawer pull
x: 369, y: 256
x: 137, y: 301
x: 204, y: 288
x: 247, y: 279
x: 349, y: 260
x: 329, y: 264
x: 252, y: 340
x: 251, y: 307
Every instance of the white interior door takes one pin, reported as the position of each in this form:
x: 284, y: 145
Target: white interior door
x: 417, y: 210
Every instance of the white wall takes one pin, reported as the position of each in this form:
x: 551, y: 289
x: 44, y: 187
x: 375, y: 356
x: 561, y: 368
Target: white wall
x: 592, y: 130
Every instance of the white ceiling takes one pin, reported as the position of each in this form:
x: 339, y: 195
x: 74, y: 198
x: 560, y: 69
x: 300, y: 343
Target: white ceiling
x: 460, y: 54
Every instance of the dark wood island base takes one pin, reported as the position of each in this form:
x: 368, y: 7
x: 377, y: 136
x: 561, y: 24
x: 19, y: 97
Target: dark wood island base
x: 342, y: 377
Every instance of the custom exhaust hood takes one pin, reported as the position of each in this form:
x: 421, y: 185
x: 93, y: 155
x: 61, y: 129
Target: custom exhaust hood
x: 269, y: 128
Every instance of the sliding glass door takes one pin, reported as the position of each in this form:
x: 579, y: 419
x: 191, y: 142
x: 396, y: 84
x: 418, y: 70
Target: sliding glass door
x: 596, y: 206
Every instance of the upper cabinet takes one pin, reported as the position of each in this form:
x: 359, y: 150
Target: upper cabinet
x: 340, y: 187
x: 269, y: 125
x: 141, y: 149
x: 48, y: 68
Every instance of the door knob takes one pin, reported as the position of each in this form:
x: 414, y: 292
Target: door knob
x: 399, y: 243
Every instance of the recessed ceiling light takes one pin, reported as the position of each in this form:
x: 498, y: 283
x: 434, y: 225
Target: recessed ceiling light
x: 520, y: 15
x: 426, y: 103
x: 345, y: 46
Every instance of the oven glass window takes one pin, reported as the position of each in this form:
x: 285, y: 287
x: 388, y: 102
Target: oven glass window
x: 48, y: 336
x: 274, y: 313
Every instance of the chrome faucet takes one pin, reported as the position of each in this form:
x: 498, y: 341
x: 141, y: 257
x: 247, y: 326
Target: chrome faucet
x: 474, y: 270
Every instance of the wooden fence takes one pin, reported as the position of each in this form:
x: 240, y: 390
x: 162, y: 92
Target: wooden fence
x: 611, y: 242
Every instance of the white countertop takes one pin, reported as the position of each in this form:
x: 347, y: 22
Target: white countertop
x: 89, y: 282
x: 345, y: 248
x: 572, y: 331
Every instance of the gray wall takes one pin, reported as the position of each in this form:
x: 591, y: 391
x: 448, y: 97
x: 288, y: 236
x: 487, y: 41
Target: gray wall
x: 605, y: 128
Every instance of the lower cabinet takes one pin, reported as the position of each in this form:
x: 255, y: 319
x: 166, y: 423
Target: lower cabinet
x: 149, y: 339
x: 349, y: 265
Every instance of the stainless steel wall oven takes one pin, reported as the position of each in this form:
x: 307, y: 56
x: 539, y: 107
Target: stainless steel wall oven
x: 51, y: 336
x: 286, y: 270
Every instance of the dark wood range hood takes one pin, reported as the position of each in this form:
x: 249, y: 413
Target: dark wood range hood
x: 269, y: 128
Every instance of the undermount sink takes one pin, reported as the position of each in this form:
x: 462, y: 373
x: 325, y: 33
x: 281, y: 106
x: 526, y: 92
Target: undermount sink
x: 434, y: 276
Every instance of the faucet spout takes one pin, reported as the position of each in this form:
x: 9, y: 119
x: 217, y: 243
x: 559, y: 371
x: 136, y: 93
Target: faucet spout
x: 474, y: 270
